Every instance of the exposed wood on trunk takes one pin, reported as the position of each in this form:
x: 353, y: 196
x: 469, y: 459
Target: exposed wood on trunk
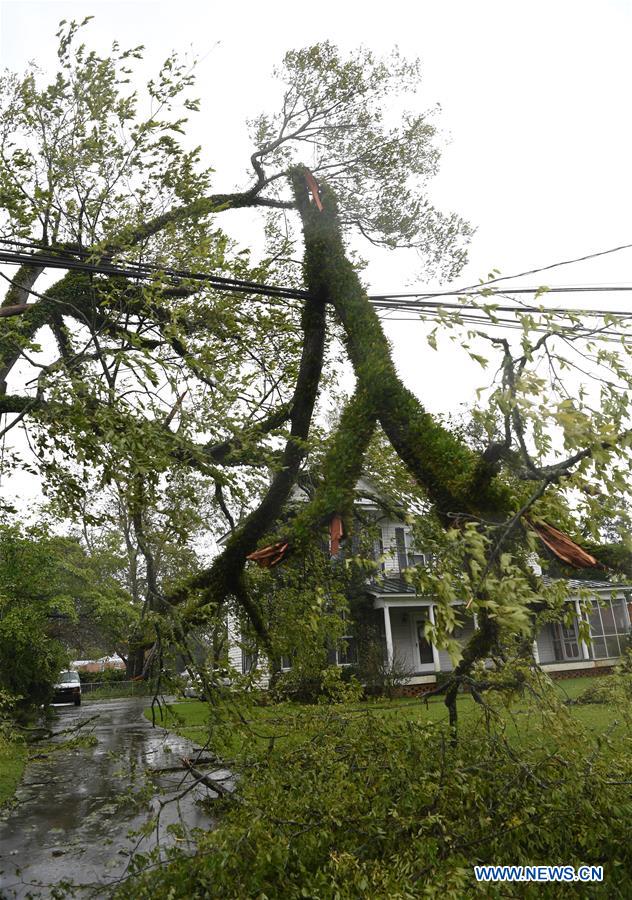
x: 212, y: 783
x: 271, y: 556
x: 562, y: 546
x: 336, y: 534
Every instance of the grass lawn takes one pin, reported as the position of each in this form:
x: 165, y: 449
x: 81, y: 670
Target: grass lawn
x: 281, y: 723
x: 12, y: 762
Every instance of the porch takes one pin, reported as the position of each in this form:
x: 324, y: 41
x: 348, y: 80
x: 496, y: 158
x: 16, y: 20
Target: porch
x: 407, y: 648
x: 557, y: 648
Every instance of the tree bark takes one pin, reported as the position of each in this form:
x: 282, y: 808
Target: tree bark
x: 224, y: 576
x: 455, y: 478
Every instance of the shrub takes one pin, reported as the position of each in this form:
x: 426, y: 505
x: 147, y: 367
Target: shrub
x: 30, y: 660
x: 331, y: 684
x: 615, y: 688
x: 382, y: 677
x: 339, y: 687
x: 608, y: 689
x: 373, y: 806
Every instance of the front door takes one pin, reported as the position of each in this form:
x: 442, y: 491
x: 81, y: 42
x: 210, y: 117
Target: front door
x: 424, y: 657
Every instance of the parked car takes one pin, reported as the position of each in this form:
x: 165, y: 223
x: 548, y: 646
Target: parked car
x: 193, y: 688
x: 68, y: 688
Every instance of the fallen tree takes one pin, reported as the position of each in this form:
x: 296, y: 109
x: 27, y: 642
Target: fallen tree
x: 158, y: 367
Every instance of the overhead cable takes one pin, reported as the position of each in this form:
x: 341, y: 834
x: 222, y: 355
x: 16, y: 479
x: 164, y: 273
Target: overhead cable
x: 65, y: 259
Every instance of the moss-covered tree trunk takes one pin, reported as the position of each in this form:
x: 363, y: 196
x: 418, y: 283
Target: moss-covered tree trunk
x: 225, y: 576
x: 456, y: 479
x: 342, y: 467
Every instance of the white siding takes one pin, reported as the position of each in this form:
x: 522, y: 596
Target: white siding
x: 234, y: 636
x: 544, y: 641
x: 445, y: 663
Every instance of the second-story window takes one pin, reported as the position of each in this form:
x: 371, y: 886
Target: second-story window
x: 400, y: 548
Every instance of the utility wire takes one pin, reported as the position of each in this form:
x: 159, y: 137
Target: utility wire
x: 139, y: 269
x: 557, y: 265
x: 493, y: 292
x: 66, y: 260
x: 575, y: 330
x: 144, y: 272
x: 559, y: 310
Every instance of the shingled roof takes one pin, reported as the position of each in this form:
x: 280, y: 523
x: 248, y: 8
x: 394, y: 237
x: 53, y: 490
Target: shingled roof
x: 397, y: 586
x: 390, y: 587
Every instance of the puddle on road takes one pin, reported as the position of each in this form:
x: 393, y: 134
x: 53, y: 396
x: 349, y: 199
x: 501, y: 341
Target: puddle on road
x: 75, y: 809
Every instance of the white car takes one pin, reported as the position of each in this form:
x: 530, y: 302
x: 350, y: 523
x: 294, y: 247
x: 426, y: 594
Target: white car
x: 68, y: 688
x: 193, y: 688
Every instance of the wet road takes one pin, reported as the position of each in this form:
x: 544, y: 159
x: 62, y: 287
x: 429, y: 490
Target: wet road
x: 74, y: 807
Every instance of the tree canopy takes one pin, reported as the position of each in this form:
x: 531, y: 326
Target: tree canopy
x: 133, y: 367
x: 55, y: 599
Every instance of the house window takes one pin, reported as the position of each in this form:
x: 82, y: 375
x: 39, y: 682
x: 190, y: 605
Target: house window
x: 565, y: 643
x: 418, y: 559
x: 609, y: 628
x: 249, y: 661
x: 345, y: 653
x: 400, y: 548
x: 406, y: 556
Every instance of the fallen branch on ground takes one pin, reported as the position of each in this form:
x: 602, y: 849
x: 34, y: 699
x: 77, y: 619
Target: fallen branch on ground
x: 212, y: 783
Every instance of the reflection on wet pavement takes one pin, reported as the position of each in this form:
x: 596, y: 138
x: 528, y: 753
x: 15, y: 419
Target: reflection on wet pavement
x: 75, y: 808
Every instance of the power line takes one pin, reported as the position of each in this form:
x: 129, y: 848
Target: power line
x: 145, y: 271
x: 95, y: 262
x: 577, y: 330
x: 556, y: 310
x: 501, y: 292
x: 557, y: 265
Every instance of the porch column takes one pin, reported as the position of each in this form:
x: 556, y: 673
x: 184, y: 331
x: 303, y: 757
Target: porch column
x: 584, y: 645
x: 389, y: 636
x: 435, y: 652
x: 536, y: 653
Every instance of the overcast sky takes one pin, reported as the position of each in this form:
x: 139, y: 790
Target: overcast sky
x: 535, y: 120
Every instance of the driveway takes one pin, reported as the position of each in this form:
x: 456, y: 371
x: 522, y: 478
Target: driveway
x: 75, y: 807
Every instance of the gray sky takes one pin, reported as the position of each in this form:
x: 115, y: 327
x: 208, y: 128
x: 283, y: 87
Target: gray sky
x: 535, y: 121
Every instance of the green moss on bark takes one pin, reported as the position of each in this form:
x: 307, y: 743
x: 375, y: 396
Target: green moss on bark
x: 342, y: 467
x: 455, y: 478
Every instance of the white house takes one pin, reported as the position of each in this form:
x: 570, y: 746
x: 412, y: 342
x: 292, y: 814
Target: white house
x: 401, y: 614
